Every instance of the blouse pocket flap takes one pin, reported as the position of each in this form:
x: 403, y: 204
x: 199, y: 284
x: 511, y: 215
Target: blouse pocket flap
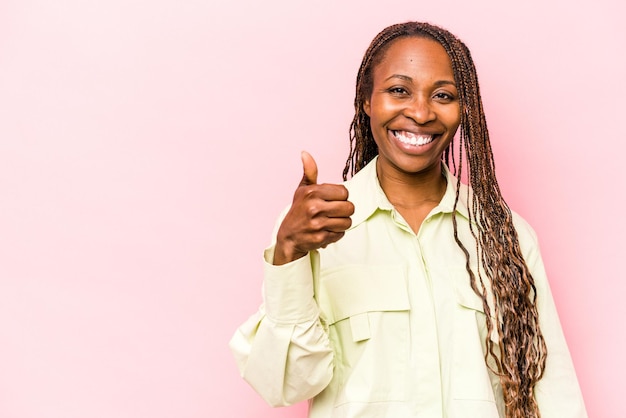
x: 467, y: 298
x: 353, y: 290
x: 464, y: 293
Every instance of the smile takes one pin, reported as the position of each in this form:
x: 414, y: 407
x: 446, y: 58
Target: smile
x: 413, y: 139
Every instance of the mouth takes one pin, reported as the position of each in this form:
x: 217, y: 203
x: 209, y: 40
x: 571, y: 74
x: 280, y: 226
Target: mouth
x: 410, y: 138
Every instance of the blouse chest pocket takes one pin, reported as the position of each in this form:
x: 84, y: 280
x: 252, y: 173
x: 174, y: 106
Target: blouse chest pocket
x: 367, y: 312
x: 472, y: 303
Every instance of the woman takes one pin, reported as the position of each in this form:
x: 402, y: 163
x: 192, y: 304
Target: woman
x: 403, y: 292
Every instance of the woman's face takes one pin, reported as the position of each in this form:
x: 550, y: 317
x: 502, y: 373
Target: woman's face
x: 414, y: 107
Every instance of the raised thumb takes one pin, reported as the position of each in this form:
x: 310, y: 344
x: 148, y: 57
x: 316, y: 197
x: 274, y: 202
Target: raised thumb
x: 309, y: 168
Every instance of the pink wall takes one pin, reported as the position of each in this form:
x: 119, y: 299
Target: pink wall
x: 147, y: 146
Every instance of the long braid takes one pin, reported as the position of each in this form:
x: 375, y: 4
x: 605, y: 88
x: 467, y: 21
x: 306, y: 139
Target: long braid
x: 519, y: 357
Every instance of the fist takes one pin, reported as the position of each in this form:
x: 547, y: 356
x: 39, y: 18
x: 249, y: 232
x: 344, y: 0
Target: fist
x: 319, y: 215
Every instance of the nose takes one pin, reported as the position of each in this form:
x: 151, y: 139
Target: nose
x: 420, y: 110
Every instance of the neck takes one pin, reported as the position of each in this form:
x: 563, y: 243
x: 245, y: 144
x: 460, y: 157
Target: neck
x: 412, y: 190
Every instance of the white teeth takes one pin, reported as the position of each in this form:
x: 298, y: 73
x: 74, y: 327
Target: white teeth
x: 412, y: 139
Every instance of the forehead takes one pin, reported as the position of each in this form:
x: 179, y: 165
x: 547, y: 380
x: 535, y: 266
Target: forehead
x: 412, y: 54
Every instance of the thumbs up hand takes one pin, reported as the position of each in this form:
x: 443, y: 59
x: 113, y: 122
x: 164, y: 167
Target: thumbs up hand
x: 319, y: 215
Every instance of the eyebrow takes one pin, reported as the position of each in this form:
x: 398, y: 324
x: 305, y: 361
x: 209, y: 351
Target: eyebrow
x: 410, y: 80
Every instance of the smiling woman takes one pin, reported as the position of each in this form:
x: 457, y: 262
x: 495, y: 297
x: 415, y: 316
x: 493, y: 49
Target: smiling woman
x: 403, y: 292
x: 414, y: 114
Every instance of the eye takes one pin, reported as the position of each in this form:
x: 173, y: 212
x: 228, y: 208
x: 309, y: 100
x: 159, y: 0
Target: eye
x: 398, y: 91
x: 444, y: 97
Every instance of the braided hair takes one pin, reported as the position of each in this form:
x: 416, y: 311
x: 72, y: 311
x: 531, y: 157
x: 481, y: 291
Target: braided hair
x: 520, y: 355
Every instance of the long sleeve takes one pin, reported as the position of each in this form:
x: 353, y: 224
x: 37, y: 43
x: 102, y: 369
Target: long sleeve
x: 283, y: 351
x: 558, y: 393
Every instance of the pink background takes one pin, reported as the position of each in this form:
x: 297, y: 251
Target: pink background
x: 146, y: 147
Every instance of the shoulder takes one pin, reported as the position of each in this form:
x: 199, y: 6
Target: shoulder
x: 527, y: 238
x: 524, y: 230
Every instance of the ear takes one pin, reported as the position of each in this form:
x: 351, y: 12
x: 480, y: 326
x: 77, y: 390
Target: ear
x: 367, y: 107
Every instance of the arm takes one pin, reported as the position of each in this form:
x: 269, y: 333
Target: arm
x: 283, y: 351
x: 558, y: 393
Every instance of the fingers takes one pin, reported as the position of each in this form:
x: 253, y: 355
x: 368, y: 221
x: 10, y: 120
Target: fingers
x: 309, y: 167
x: 319, y: 216
x: 337, y: 225
x: 326, y: 192
x: 330, y: 209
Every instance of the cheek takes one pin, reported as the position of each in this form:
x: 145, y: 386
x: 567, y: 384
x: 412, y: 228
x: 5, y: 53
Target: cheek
x: 453, y: 118
x: 374, y: 108
x: 375, y: 133
x: 379, y: 134
x: 376, y: 115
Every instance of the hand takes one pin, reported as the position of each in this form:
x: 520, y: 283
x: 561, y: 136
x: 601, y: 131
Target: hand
x: 319, y: 215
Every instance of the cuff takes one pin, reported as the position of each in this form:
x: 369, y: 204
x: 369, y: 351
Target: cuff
x: 288, y: 290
